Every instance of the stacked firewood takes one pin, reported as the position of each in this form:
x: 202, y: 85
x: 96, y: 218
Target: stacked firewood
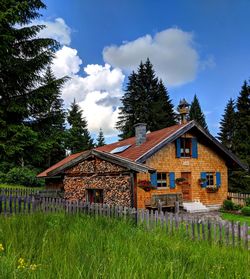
x: 116, y: 189
x: 106, y: 167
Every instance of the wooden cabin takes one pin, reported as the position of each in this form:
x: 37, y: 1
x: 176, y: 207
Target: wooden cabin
x: 182, y: 159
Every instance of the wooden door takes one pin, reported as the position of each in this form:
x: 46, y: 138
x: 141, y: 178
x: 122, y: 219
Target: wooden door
x: 186, y: 186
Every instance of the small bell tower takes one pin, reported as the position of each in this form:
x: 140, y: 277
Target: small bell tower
x: 183, y: 109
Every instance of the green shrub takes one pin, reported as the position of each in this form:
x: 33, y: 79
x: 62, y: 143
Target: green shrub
x: 247, y: 201
x: 246, y: 210
x: 23, y: 176
x: 237, y: 207
x: 228, y: 205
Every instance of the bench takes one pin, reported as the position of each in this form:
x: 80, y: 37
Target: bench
x: 164, y: 201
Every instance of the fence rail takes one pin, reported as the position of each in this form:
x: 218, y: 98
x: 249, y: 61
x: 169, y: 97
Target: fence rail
x: 220, y: 232
x: 30, y: 192
x: 238, y: 198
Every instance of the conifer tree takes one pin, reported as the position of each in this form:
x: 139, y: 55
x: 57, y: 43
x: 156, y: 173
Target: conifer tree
x: 100, y: 139
x: 23, y: 56
x: 228, y: 125
x: 49, y: 120
x: 240, y: 180
x: 78, y: 136
x: 195, y: 113
x: 242, y: 133
x: 145, y: 100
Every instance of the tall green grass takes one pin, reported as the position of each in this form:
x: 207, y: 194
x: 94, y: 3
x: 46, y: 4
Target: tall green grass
x: 71, y: 246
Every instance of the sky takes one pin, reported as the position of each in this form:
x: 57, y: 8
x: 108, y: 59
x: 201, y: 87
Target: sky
x: 196, y: 47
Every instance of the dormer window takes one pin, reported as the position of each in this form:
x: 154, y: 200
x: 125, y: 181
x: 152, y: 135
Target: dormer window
x: 186, y: 148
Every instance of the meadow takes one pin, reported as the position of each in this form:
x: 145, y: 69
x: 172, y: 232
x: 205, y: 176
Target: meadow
x: 56, y: 245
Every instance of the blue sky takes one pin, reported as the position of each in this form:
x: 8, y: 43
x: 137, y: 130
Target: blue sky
x: 208, y: 42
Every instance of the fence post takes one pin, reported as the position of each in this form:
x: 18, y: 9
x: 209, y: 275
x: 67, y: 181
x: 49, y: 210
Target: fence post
x: 239, y: 234
x: 10, y: 204
x: 233, y: 235
x: 246, y: 235
x: 176, y: 207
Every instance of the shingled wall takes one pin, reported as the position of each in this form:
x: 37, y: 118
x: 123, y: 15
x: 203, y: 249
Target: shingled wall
x: 208, y: 161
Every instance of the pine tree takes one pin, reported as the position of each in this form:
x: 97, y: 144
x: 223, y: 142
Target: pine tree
x: 240, y: 179
x: 78, y: 138
x: 228, y: 125
x: 162, y: 108
x: 100, y: 139
x: 23, y: 56
x: 195, y: 113
x: 49, y: 121
x: 242, y: 133
x: 145, y: 100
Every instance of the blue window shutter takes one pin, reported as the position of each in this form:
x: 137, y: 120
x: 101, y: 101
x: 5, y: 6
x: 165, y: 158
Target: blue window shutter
x: 172, y: 180
x: 153, y: 179
x: 204, y: 175
x: 194, y: 148
x: 218, y: 179
x: 178, y: 148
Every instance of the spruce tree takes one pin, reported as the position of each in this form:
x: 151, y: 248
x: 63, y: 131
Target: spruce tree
x: 145, y: 100
x: 78, y: 137
x: 242, y: 133
x: 23, y: 57
x: 49, y: 121
x: 228, y: 125
x: 100, y: 139
x: 195, y: 113
x: 240, y: 180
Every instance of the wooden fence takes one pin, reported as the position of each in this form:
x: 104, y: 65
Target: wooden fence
x: 206, y: 229
x: 238, y: 198
x: 22, y: 192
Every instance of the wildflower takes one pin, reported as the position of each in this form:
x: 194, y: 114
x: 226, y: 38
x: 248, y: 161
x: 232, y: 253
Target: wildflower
x: 21, y: 263
x: 1, y: 247
x: 33, y: 267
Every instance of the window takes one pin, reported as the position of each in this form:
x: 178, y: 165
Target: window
x: 186, y: 147
x: 161, y: 179
x: 210, y: 178
x: 95, y: 195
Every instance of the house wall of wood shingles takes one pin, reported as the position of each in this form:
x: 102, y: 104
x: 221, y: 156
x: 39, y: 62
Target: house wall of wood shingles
x: 208, y: 161
x: 98, y: 174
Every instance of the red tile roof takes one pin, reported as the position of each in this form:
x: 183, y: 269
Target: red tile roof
x: 132, y: 153
x: 60, y: 163
x: 135, y: 152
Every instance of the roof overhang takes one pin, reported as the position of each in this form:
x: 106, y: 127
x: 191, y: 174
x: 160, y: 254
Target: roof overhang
x: 117, y: 160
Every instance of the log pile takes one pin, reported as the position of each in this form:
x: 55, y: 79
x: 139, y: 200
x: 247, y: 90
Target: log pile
x: 106, y: 167
x: 116, y: 189
x: 87, y: 166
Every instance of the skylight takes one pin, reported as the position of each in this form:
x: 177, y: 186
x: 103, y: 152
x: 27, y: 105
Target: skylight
x: 120, y: 149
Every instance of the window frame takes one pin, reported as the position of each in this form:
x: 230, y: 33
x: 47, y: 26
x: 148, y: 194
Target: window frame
x: 183, y: 146
x: 161, y: 179
x: 210, y: 176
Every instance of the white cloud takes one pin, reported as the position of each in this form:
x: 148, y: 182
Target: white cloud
x: 66, y: 62
x: 56, y: 29
x: 98, y: 91
x: 172, y: 52
x: 99, y: 116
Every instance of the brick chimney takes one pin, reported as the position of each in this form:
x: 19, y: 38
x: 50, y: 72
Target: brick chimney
x: 140, y: 133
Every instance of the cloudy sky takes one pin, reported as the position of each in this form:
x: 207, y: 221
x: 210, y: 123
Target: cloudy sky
x: 196, y: 46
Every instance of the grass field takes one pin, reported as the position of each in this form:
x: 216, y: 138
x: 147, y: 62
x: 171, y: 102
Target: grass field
x: 236, y: 218
x: 68, y: 246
